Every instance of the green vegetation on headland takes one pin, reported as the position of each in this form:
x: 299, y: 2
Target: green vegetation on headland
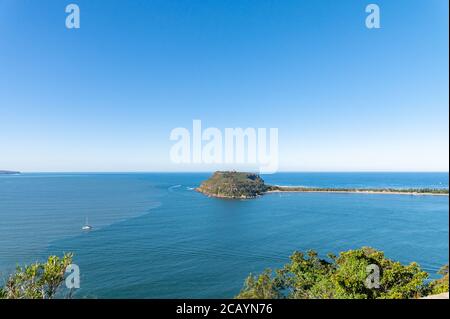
x: 347, y: 276
x: 233, y: 185
x: 250, y: 185
x: 8, y: 172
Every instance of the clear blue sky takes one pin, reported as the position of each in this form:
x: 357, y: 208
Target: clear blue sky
x: 105, y: 97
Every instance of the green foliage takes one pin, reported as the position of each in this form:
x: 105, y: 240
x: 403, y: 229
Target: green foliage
x: 343, y: 277
x: 37, y: 281
x: 439, y: 286
x: 260, y: 287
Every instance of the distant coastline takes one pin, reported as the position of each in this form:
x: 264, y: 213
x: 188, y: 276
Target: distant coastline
x: 8, y: 172
x: 392, y: 191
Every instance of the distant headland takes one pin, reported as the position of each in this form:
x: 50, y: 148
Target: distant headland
x: 233, y: 185
x: 8, y: 172
x: 241, y: 185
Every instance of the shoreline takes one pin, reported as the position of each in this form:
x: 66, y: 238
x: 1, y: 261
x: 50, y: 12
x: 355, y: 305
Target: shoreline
x: 337, y: 191
x: 225, y: 197
x: 357, y: 192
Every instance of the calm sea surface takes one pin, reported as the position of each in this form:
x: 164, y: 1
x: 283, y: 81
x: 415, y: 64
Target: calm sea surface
x: 154, y: 237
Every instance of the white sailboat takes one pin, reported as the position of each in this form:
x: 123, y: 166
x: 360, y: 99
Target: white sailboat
x: 86, y: 226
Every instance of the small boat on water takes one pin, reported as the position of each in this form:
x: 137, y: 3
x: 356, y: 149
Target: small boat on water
x: 86, y: 226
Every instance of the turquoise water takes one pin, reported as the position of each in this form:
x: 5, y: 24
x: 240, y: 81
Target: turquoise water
x: 154, y: 237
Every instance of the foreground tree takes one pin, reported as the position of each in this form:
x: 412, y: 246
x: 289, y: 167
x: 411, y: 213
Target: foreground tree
x: 340, y: 277
x: 37, y: 281
x: 439, y: 286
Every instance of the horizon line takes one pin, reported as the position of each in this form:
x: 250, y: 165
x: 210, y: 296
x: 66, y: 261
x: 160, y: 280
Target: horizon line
x: 212, y: 171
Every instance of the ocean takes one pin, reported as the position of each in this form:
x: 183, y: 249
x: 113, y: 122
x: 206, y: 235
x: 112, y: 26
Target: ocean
x: 155, y: 237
